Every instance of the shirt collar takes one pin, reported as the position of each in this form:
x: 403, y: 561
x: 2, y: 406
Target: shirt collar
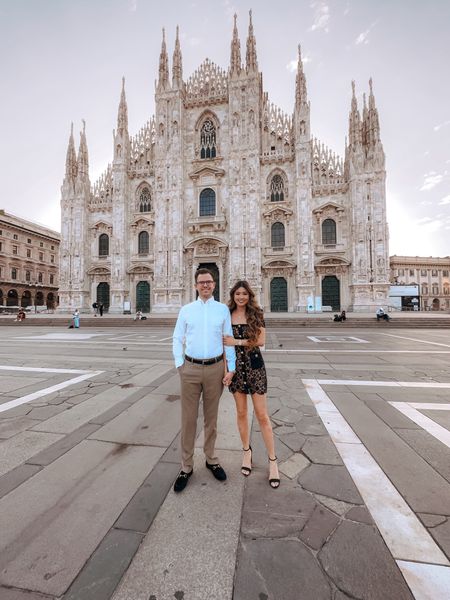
x: 207, y: 301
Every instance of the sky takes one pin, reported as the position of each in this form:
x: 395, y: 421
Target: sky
x: 63, y: 61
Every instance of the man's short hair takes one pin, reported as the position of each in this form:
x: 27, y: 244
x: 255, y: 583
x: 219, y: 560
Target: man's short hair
x: 203, y: 271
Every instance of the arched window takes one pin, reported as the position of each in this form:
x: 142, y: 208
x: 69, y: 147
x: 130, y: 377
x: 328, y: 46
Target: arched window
x: 277, y: 235
x: 145, y: 200
x: 208, y: 140
x: 207, y: 203
x: 277, y: 189
x: 329, y: 232
x: 103, y: 245
x: 143, y: 242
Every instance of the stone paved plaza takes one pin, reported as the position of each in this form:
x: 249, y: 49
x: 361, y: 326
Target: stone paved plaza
x: 89, y: 450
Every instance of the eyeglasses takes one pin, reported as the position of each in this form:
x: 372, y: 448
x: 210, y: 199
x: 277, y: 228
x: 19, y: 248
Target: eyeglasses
x: 210, y: 282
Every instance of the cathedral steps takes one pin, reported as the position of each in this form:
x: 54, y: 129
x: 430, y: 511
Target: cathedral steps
x: 400, y: 321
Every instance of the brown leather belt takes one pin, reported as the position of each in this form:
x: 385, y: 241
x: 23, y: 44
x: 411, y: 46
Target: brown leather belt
x: 204, y: 361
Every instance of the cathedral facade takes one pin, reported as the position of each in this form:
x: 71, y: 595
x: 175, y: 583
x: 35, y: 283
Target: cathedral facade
x: 220, y: 177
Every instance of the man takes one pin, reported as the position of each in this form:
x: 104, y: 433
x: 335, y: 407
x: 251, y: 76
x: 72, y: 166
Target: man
x: 200, y: 327
x: 382, y: 315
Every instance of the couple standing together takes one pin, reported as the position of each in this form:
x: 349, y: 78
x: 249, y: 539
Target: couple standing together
x: 204, y: 328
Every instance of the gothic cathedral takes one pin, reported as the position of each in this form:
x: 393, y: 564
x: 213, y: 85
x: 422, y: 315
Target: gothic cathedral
x: 222, y: 178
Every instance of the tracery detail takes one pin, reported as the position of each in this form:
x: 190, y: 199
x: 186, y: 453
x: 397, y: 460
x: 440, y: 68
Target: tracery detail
x: 208, y: 140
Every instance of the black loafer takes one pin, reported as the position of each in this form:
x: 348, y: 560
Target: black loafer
x: 181, y: 481
x: 217, y: 471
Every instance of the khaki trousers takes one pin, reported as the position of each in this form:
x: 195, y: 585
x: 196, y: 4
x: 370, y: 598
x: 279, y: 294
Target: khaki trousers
x: 196, y: 381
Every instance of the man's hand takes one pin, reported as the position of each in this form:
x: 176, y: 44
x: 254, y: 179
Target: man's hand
x: 228, y: 377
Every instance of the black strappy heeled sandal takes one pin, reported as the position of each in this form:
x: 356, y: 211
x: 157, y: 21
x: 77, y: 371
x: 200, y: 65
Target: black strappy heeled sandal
x: 247, y: 470
x: 274, y: 482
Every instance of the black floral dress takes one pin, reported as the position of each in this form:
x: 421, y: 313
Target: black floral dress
x: 250, y: 376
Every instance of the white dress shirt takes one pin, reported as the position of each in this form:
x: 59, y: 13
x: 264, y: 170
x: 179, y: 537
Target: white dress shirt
x: 200, y: 329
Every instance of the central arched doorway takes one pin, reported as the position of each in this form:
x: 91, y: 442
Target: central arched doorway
x: 143, y: 296
x: 215, y: 271
x: 331, y: 293
x: 278, y: 295
x: 103, y: 295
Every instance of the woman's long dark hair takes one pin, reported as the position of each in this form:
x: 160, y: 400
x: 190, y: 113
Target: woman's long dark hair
x: 253, y: 312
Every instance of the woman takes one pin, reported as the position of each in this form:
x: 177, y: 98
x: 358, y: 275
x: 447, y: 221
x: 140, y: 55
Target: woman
x: 250, y: 377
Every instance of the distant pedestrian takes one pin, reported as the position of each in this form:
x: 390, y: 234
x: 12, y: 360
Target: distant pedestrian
x: 100, y: 307
x: 95, y: 307
x: 382, y: 315
x: 76, y: 319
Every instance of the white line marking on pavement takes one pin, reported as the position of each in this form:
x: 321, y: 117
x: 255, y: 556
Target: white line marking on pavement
x: 428, y: 582
x: 61, y: 336
x: 430, y: 405
x: 54, y: 388
x: 40, y: 370
x: 410, y: 384
x: 166, y: 338
x: 433, y: 428
x: 407, y: 539
x: 402, y: 337
x: 319, y: 339
x: 343, y: 351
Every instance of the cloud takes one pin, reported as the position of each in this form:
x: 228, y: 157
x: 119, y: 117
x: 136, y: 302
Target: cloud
x: 292, y: 64
x: 363, y: 38
x: 133, y: 5
x: 441, y: 125
x: 321, y: 16
x: 431, y: 180
x: 445, y: 200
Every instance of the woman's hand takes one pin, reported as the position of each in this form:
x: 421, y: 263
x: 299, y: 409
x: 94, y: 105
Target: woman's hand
x: 229, y: 340
x: 227, y: 378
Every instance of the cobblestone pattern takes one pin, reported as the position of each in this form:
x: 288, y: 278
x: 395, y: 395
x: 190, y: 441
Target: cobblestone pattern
x: 315, y: 525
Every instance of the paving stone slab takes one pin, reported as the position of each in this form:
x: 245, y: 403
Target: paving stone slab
x: 337, y: 506
x: 359, y: 563
x: 441, y: 534
x: 274, y: 513
x: 266, y: 568
x: 190, y: 560
x: 62, y: 446
x: 294, y: 441
x: 294, y: 465
x: 145, y: 504
x: 332, y: 481
x: 429, y: 448
x: 10, y: 594
x: 321, y: 450
x: 9, y: 481
x: 432, y: 520
x: 80, y: 414
x: 21, y: 447
x: 310, y: 426
x: 359, y: 514
x: 46, y: 548
x: 101, y: 575
x: 15, y: 425
x: 319, y: 527
x: 150, y: 421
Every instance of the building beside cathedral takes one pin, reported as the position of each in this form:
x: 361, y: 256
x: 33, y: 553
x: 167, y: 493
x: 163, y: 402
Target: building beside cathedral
x: 220, y: 177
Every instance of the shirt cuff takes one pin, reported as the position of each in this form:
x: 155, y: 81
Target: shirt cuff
x: 179, y: 362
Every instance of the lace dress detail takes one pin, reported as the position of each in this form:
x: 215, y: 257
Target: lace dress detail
x: 250, y: 376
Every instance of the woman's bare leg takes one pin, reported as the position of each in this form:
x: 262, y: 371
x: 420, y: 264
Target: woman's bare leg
x: 260, y: 406
x: 242, y: 423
